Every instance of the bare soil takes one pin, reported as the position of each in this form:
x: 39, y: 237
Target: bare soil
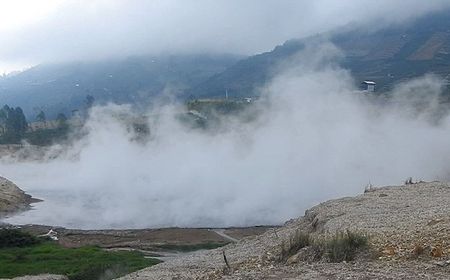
x: 431, y: 47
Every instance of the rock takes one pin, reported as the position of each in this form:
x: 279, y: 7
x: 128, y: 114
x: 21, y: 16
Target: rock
x: 388, y: 251
x: 434, y: 222
x: 443, y: 263
x: 437, y: 252
x: 293, y: 259
x: 12, y: 199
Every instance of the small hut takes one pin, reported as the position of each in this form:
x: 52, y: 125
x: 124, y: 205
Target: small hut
x: 369, y: 86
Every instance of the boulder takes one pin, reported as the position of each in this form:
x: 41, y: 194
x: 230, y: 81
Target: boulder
x: 12, y: 199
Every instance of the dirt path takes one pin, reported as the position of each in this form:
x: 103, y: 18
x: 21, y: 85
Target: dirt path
x: 160, y: 255
x: 222, y: 233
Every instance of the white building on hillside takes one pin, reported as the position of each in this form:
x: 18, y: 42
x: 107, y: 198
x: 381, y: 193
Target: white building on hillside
x: 369, y: 85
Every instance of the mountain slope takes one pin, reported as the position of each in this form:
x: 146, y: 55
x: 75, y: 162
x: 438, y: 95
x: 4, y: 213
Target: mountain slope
x: 387, y: 56
x: 64, y: 87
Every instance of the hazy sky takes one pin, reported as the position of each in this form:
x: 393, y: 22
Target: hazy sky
x: 36, y: 31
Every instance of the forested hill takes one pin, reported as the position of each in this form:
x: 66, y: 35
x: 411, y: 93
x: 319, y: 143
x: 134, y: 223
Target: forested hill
x: 59, y: 88
x: 387, y: 56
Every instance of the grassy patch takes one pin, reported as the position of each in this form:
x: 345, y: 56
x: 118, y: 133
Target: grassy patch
x: 191, y: 247
x: 341, y: 247
x: 87, y: 263
x: 344, y: 246
x: 296, y: 242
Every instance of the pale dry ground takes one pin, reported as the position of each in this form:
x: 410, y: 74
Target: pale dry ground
x: 398, y: 219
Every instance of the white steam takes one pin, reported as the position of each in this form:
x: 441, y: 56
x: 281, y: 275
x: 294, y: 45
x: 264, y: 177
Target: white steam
x: 316, y: 138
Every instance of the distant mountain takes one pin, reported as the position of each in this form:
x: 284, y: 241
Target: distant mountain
x: 64, y: 87
x: 387, y: 56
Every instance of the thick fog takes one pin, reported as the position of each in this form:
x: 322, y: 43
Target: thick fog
x: 316, y: 137
x: 34, y: 32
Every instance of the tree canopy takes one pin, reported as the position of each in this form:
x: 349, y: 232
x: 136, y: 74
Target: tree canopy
x: 13, y: 122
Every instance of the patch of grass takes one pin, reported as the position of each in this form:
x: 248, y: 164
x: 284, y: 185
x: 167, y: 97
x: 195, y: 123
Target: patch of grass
x: 296, y: 242
x: 87, y: 263
x: 418, y: 250
x: 344, y: 246
x: 191, y: 247
x: 340, y: 247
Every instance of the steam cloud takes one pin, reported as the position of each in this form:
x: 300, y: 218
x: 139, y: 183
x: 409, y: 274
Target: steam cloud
x: 316, y: 138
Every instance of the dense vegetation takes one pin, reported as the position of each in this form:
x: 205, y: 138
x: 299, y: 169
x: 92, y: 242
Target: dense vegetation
x: 23, y: 254
x: 15, y: 238
x: 136, y: 80
x: 13, y: 124
x: 14, y: 128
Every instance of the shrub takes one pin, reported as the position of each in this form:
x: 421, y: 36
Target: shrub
x: 296, y: 242
x: 16, y: 238
x: 344, y: 246
x: 418, y: 250
x: 341, y: 247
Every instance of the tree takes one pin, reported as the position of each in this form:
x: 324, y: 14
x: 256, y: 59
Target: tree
x: 20, y: 122
x: 89, y: 101
x: 3, y: 119
x: 62, y: 120
x: 41, y: 117
x: 14, y: 119
x: 14, y: 123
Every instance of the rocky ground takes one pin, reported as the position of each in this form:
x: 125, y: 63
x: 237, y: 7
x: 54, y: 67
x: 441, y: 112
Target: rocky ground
x: 409, y: 238
x: 12, y: 199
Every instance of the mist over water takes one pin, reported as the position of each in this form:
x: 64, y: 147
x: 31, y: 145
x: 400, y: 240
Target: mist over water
x: 315, y: 137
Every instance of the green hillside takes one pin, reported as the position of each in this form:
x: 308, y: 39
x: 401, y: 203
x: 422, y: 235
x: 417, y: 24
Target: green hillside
x: 387, y: 56
x: 63, y: 87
